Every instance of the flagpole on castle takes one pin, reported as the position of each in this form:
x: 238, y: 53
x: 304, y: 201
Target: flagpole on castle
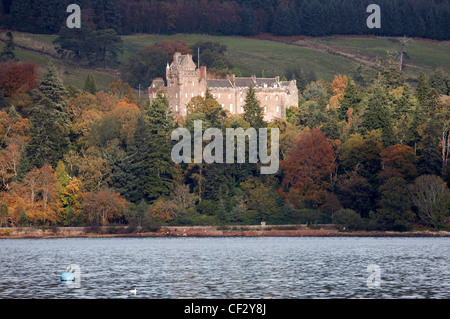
x: 198, y: 58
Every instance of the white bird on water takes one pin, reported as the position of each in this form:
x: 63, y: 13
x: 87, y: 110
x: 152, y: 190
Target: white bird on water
x: 134, y: 291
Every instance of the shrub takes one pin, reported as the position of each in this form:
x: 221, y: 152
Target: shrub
x: 347, y: 220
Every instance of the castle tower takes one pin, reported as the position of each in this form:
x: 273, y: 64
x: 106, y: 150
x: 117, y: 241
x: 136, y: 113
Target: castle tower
x: 184, y: 81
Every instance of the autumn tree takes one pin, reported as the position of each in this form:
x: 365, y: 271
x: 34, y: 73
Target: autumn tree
x: 103, y: 206
x: 172, y: 46
x: 90, y: 167
x: 123, y: 91
x: 398, y: 161
x: 17, y: 77
x: 39, y: 192
x: 309, y: 165
x: 339, y: 84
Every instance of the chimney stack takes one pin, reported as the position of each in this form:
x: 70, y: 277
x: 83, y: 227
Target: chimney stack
x: 203, y: 72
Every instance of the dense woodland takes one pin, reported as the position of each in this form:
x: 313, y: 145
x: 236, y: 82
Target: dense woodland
x: 413, y: 18
x: 361, y: 153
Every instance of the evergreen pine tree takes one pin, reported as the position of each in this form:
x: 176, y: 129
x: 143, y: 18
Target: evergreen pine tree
x: 358, y: 76
x: 438, y: 81
x: 161, y: 171
x: 248, y: 22
x: 49, y: 122
x: 404, y: 103
x: 20, y: 11
x: 394, y: 212
x: 136, y: 164
x: 221, y: 211
x: 90, y: 85
x: 351, y: 99
x: 253, y: 112
x: 422, y: 91
x: 48, y: 136
x: 237, y: 214
x: 377, y: 116
x: 429, y: 160
x: 8, y: 52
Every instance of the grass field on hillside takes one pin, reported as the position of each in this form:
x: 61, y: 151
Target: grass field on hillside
x: 257, y: 57
x: 260, y: 57
x: 422, y: 55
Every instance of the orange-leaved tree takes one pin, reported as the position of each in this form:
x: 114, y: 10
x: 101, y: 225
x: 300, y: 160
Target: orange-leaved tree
x: 398, y: 161
x: 308, y: 167
x: 17, y: 77
x: 103, y: 206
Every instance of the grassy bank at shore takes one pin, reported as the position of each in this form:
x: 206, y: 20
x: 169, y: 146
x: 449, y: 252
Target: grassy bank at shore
x: 204, y: 231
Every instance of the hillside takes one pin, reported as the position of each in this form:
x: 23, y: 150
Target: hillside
x: 263, y: 55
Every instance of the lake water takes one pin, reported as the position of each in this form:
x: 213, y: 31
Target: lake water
x: 258, y: 267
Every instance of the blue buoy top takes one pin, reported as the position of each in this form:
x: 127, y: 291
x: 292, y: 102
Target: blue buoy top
x: 67, y: 276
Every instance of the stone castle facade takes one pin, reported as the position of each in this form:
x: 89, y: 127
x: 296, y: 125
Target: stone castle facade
x: 185, y: 81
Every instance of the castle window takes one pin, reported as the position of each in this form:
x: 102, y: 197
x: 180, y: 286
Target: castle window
x: 192, y: 95
x: 231, y: 107
x: 265, y: 108
x: 241, y: 99
x: 242, y: 109
x: 229, y: 96
x: 223, y: 105
x: 176, y: 95
x: 214, y: 95
x: 276, y: 98
x: 266, y: 97
x: 202, y: 94
x: 192, y: 83
x: 218, y: 95
x: 176, y: 108
x: 185, y: 95
x: 278, y: 108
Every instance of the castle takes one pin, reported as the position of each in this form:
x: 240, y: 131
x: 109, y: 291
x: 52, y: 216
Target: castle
x: 184, y: 81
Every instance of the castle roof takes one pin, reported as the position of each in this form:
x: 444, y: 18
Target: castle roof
x: 244, y: 82
x: 219, y: 83
x: 266, y: 81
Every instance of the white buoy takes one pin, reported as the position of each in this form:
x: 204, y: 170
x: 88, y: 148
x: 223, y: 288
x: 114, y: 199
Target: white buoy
x: 134, y: 291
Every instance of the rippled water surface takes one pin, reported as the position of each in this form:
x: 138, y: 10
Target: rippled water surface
x: 267, y: 267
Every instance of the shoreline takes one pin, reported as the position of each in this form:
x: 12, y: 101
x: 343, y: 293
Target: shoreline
x: 201, y: 231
